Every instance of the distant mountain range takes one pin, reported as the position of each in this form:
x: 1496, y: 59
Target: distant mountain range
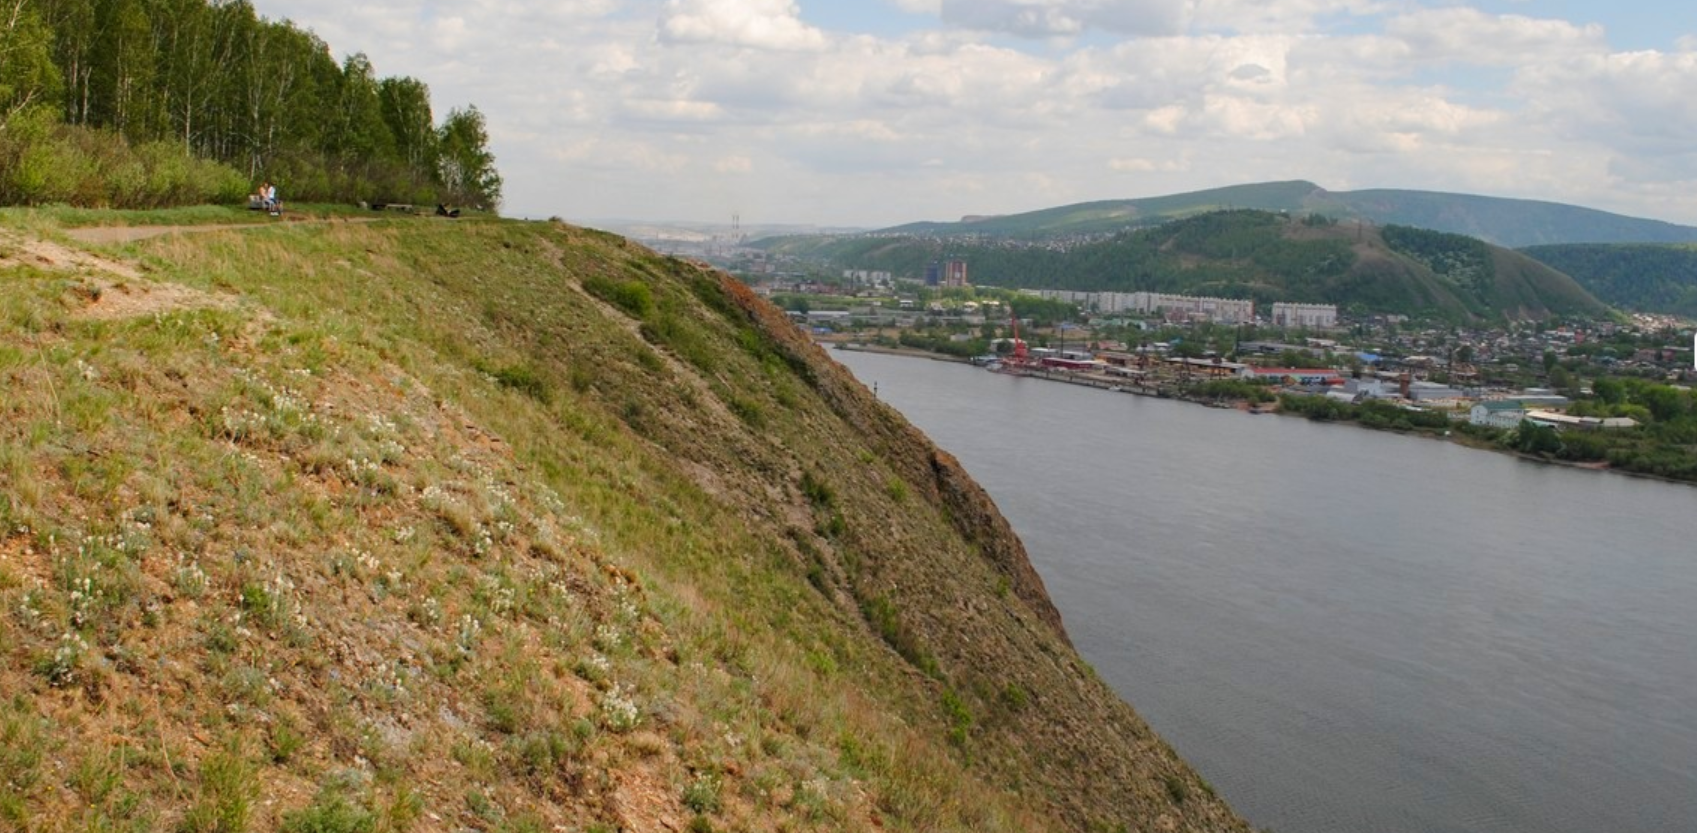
x: 1506, y: 222
x: 1263, y: 255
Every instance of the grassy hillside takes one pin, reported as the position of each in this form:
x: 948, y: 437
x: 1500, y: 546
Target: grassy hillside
x: 1252, y: 254
x: 1505, y: 222
x: 1637, y: 277
x: 425, y: 525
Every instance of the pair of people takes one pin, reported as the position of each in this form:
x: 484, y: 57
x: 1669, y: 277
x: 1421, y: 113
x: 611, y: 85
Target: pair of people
x: 268, y: 198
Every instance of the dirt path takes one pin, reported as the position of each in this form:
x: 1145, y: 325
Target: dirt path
x: 128, y: 234
x: 115, y: 287
x: 109, y: 288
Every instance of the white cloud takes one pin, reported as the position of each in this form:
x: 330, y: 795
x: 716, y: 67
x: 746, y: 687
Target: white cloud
x: 761, y: 24
x: 1066, y: 18
x: 1474, y: 37
x: 1140, y: 165
x: 679, y: 108
x: 1069, y: 18
x: 734, y: 165
x: 1274, y: 16
x: 1638, y: 103
x: 931, y: 7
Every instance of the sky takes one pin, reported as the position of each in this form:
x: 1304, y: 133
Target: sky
x: 871, y: 113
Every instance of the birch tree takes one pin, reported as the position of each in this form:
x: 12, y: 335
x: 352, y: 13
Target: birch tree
x: 28, y: 75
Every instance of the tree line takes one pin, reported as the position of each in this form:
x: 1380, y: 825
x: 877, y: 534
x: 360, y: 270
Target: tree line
x: 142, y: 103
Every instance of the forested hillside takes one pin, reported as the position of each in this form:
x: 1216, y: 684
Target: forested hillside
x: 1647, y: 278
x: 1259, y: 255
x: 149, y: 103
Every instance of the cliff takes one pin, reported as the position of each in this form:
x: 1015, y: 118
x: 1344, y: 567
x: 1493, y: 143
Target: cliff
x: 436, y: 525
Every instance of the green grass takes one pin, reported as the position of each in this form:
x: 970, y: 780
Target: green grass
x: 227, y: 787
x: 566, y: 561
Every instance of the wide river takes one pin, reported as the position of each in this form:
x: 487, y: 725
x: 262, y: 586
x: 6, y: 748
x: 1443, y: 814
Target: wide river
x: 1350, y: 631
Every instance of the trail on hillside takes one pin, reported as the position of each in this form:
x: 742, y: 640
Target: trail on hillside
x: 129, y: 234
x: 110, y: 288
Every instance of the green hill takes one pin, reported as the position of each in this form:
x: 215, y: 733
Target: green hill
x: 1636, y: 277
x: 494, y: 525
x: 1505, y: 222
x: 1260, y: 255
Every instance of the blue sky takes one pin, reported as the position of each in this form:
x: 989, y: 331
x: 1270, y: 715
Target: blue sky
x: 877, y: 112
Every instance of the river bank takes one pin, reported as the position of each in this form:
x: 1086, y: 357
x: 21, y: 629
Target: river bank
x: 1456, y: 433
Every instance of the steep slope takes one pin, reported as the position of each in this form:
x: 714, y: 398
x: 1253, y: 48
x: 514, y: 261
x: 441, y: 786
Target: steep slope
x: 1637, y: 277
x: 504, y: 526
x: 1506, y: 222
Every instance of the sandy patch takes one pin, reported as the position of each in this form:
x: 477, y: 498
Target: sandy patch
x: 112, y: 289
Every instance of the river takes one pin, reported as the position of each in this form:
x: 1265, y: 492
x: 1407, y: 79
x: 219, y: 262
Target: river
x: 1344, y: 630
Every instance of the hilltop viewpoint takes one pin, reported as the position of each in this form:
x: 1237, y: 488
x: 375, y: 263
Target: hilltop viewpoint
x: 433, y: 525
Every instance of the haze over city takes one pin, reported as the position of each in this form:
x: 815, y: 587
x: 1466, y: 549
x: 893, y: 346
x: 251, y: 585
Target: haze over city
x: 875, y: 113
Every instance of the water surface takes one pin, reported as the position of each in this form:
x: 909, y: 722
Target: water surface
x: 1350, y: 631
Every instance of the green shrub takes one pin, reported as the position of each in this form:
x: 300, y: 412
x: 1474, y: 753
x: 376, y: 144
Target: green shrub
x: 523, y: 379
x: 632, y: 296
x: 330, y: 812
x: 1177, y: 790
x: 228, y: 785
x: 702, y: 794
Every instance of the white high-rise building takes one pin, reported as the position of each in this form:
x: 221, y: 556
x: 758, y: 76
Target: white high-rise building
x: 1218, y: 310
x: 1305, y: 315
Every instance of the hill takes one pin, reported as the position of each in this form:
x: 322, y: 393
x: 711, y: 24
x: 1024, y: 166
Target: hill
x: 1260, y: 255
x: 419, y: 524
x: 1505, y: 222
x: 1645, y: 278
x: 1108, y: 216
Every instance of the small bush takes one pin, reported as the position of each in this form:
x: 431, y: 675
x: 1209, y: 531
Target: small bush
x: 1177, y: 790
x: 882, y: 615
x: 330, y: 812
x: 227, y: 788
x: 702, y: 794
x: 632, y: 296
x: 284, y: 741
x: 818, y: 492
x: 524, y: 380
x: 749, y: 411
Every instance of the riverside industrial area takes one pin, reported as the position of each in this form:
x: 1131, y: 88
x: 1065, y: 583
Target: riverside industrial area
x: 1174, y: 346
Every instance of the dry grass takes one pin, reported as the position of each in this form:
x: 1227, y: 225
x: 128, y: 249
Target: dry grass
x: 313, y: 556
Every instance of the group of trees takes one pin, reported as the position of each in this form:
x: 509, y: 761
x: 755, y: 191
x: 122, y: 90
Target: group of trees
x: 86, y: 83
x: 1664, y: 443
x: 1638, y: 276
x: 1462, y: 260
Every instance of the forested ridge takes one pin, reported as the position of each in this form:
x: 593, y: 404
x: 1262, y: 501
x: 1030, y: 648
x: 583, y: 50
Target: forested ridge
x: 1644, y: 277
x: 1260, y: 255
x: 148, y: 103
